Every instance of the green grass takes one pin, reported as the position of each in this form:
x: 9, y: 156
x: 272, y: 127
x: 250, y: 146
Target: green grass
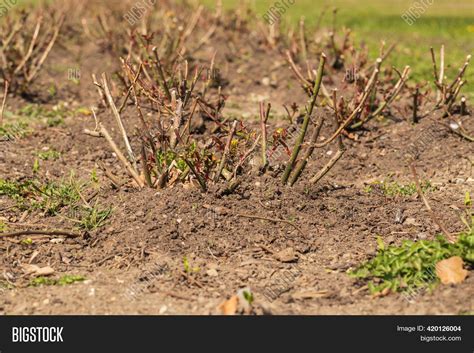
x: 371, y: 21
x: 63, y: 281
x: 91, y: 218
x: 18, y: 124
x: 394, y: 188
x: 49, y: 197
x: 411, y: 266
x: 48, y: 155
x: 14, y: 130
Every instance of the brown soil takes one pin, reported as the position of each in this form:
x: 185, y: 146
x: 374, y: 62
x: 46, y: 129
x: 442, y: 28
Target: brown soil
x: 150, y: 231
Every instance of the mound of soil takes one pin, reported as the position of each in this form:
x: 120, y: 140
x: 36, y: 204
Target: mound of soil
x: 182, y: 251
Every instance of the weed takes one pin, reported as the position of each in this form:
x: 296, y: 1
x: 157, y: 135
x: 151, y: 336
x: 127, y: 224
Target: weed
x: 27, y: 241
x: 48, y: 197
x: 5, y: 285
x: 248, y: 296
x: 13, y: 131
x: 187, y: 266
x: 48, y: 155
x: 411, y: 265
x: 91, y: 218
x: 94, y: 178
x: 14, y: 190
x: 52, y: 196
x: 394, y: 188
x: 62, y: 281
x: 55, y: 121
x: 52, y: 117
x: 36, y: 166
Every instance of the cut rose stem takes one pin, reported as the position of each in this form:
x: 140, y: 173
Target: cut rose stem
x: 161, y: 73
x: 396, y: 90
x: 433, y: 216
x: 335, y: 158
x: 463, y: 106
x: 132, y: 86
x: 146, y: 171
x: 459, y: 77
x: 199, y: 177
x: 4, y: 101
x: 303, y: 81
x: 309, y: 152
x: 307, y: 118
x: 328, y: 166
x: 415, y: 105
x: 226, y: 151
x: 358, y: 110
x: 118, y: 119
x: 263, y: 126
x: 441, y: 72
x: 31, y: 47
x: 102, y: 132
x: 435, y: 69
x: 43, y: 58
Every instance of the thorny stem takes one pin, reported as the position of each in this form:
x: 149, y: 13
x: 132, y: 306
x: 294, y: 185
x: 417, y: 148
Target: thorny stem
x: 118, y: 119
x: 41, y: 61
x: 263, y: 126
x: 327, y: 167
x: 309, y: 112
x: 161, y: 73
x: 358, y: 110
x: 226, y: 151
x: 309, y: 152
x: 146, y: 171
x: 199, y: 177
x: 415, y: 105
x: 396, y: 90
x: 4, y: 101
x: 335, y: 158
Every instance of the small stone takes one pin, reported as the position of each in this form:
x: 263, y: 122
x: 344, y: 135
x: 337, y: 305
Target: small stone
x: 163, y: 309
x: 410, y: 222
x: 422, y: 236
x: 286, y: 255
x: 212, y: 272
x: 266, y: 81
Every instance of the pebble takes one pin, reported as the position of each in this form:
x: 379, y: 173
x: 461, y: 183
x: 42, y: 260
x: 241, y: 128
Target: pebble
x: 212, y: 272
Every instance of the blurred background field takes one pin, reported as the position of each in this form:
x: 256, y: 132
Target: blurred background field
x: 444, y: 22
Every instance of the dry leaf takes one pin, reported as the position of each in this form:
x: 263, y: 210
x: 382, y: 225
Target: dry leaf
x: 451, y: 271
x: 229, y: 307
x: 238, y: 304
x: 38, y: 271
